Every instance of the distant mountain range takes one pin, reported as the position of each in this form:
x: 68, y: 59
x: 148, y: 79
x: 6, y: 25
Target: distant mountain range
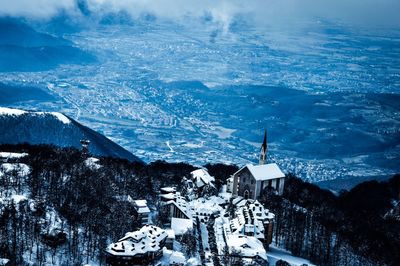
x: 24, y: 49
x: 18, y: 126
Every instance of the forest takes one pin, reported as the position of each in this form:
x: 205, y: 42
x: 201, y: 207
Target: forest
x: 71, y: 210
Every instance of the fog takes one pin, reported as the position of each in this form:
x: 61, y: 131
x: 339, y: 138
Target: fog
x: 364, y: 13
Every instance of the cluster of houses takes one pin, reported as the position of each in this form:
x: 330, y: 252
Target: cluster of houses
x: 242, y: 227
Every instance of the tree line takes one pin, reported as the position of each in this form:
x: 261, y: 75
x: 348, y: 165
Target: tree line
x: 73, y: 210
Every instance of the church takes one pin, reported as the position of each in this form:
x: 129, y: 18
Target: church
x: 250, y: 180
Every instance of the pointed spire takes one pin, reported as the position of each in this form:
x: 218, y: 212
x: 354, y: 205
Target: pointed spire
x: 264, y: 145
x: 263, y: 151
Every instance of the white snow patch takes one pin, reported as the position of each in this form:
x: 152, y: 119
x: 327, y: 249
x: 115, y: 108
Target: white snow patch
x: 21, y: 168
x: 92, y: 163
x: 10, y: 111
x: 12, y: 155
x: 16, y: 112
x: 180, y: 226
x: 18, y: 198
x: 4, y: 261
x: 274, y: 254
x: 61, y: 117
x: 193, y: 262
x: 171, y: 257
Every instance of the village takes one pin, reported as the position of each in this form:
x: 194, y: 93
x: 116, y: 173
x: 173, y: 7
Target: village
x: 226, y: 227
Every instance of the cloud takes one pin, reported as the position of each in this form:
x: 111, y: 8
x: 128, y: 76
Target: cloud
x: 368, y: 13
x: 35, y: 8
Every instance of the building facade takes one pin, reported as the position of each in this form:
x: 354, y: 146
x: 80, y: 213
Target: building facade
x: 251, y: 180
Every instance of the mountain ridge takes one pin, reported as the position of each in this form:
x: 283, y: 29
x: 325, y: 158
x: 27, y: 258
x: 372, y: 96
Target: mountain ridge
x: 20, y: 126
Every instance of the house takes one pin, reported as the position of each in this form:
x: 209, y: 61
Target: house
x: 250, y: 180
x: 200, y: 182
x: 141, y: 247
x: 229, y: 184
x: 142, y: 211
x: 169, y: 243
x: 201, y: 178
x: 175, y: 206
x: 252, y: 219
x: 181, y: 226
x: 247, y: 247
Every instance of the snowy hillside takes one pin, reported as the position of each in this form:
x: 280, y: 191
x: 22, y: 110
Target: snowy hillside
x: 19, y: 126
x: 57, y: 208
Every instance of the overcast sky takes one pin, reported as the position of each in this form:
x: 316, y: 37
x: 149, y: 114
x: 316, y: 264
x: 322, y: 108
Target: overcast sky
x: 355, y: 12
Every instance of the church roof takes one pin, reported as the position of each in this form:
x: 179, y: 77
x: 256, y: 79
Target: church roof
x: 265, y: 171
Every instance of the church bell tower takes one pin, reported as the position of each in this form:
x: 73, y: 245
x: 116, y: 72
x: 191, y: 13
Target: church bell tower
x: 263, y: 151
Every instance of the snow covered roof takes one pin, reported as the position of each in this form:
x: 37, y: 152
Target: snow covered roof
x: 259, y: 212
x: 265, y: 171
x: 141, y: 203
x: 148, y: 239
x: 247, y: 246
x: 169, y: 196
x: 171, y: 233
x: 141, y: 206
x: 143, y: 210
x: 171, y: 257
x: 180, y: 226
x: 203, y: 207
x: 202, y: 177
x: 124, y: 198
x: 239, y: 201
x: 168, y: 190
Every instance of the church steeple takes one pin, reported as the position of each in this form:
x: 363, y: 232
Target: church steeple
x: 263, y: 151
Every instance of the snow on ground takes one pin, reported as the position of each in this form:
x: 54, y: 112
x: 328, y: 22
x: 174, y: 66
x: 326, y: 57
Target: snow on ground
x: 12, y: 155
x: 171, y: 257
x: 274, y: 254
x: 3, y: 261
x: 10, y: 111
x: 61, y: 117
x: 181, y: 226
x: 92, y: 163
x: 16, y: 112
x: 206, y: 245
x: 21, y: 168
x: 193, y: 262
x: 18, y: 198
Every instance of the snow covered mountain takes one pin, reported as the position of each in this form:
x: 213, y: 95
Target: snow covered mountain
x: 18, y: 126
